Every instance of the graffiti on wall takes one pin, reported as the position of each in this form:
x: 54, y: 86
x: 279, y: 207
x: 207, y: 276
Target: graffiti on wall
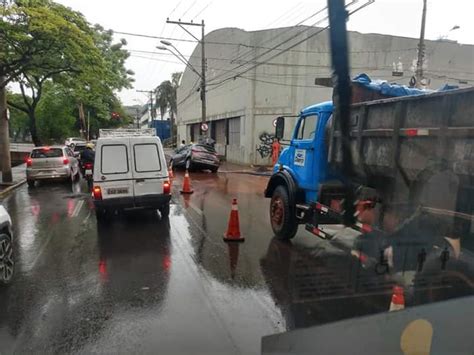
x: 265, y: 146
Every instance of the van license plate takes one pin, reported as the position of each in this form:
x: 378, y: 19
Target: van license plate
x: 118, y: 191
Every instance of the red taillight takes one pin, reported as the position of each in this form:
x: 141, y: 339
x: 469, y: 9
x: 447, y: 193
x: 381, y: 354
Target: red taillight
x: 166, y: 187
x: 411, y: 132
x: 97, y: 193
x: 29, y: 162
x: 88, y: 165
x: 65, y: 161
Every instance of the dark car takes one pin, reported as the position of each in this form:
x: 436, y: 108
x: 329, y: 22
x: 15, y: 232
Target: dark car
x: 195, y: 157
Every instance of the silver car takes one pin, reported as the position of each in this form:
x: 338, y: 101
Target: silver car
x: 51, y: 163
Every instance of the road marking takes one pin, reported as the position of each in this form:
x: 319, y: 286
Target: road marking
x: 197, y: 210
x: 43, y: 247
x: 77, y: 209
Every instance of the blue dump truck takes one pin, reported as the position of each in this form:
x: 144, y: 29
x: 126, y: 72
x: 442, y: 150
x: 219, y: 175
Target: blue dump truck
x: 413, y: 182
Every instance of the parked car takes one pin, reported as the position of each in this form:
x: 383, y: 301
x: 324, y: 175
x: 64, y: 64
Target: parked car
x: 51, y: 163
x: 7, y: 261
x: 72, y: 141
x: 196, y: 157
x: 130, y: 172
x: 78, y: 148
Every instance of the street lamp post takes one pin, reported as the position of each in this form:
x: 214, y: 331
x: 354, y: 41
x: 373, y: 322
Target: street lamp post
x: 202, y: 75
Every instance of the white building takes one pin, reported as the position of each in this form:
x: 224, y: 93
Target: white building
x: 242, y: 101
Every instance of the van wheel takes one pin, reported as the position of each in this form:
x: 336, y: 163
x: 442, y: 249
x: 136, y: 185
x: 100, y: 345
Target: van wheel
x: 283, y: 222
x: 165, y: 211
x: 102, y: 215
x: 7, y: 262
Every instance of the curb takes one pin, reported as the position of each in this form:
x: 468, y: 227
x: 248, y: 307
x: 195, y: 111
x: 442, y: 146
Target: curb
x: 11, y: 188
x: 245, y: 172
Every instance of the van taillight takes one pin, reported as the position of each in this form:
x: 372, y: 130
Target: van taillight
x: 166, y: 187
x: 29, y: 162
x: 97, y: 193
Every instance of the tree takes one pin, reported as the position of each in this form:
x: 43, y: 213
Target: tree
x: 50, y: 42
x: 167, y: 99
x: 19, y: 128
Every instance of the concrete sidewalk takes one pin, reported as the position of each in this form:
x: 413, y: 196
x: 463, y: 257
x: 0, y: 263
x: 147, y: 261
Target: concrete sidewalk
x: 19, y: 178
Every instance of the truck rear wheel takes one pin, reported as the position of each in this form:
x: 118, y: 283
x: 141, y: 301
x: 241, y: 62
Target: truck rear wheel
x: 283, y: 222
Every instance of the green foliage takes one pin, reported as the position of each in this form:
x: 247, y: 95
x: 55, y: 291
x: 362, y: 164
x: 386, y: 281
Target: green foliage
x: 19, y: 126
x: 45, y: 43
x: 55, y: 115
x: 166, y: 98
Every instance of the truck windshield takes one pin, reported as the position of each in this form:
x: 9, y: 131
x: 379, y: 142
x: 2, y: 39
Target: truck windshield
x: 307, y: 128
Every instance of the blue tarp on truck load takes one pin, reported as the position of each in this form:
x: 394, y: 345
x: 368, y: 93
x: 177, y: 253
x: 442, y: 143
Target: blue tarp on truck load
x: 387, y: 89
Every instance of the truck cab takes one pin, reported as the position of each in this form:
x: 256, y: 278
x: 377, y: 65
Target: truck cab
x: 300, y: 169
x: 306, y: 157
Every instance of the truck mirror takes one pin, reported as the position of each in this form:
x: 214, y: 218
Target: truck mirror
x: 280, y: 127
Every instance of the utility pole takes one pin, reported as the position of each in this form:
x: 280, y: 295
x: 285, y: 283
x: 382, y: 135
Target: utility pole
x: 152, y: 111
x: 138, y: 117
x: 421, y: 49
x: 203, y: 64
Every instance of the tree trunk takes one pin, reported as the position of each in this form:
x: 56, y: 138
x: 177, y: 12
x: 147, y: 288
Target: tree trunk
x: 82, y: 119
x: 5, y: 159
x: 33, y: 129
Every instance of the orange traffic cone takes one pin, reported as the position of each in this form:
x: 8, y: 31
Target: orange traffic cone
x: 170, y: 172
x: 233, y: 229
x: 398, y: 299
x: 186, y: 184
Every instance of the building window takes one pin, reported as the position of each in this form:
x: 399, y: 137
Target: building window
x: 234, y: 131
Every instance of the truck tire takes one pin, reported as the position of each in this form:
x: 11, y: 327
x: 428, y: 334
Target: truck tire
x: 283, y: 222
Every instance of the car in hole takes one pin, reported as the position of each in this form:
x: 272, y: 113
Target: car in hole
x: 196, y: 157
x: 51, y: 163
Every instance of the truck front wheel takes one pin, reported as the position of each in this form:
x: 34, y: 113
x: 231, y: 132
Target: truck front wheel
x: 283, y: 222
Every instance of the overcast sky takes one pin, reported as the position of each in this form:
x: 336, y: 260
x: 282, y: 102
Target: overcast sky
x: 395, y: 17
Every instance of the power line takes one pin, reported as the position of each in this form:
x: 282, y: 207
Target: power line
x: 297, y: 43
x: 189, y: 8
x: 291, y: 29
x: 202, y: 10
x: 290, y: 38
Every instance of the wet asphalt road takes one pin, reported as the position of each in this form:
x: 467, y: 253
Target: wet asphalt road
x: 142, y: 284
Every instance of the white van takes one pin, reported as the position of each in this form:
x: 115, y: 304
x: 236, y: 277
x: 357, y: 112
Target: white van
x: 130, y: 172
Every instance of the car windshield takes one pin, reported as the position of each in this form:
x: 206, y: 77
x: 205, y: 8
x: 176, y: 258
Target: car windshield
x: 260, y: 177
x: 47, y: 153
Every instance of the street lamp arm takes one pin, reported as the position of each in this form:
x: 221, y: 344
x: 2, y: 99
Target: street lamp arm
x: 182, y: 58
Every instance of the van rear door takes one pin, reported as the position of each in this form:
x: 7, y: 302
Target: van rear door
x: 113, y: 170
x: 149, y: 169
